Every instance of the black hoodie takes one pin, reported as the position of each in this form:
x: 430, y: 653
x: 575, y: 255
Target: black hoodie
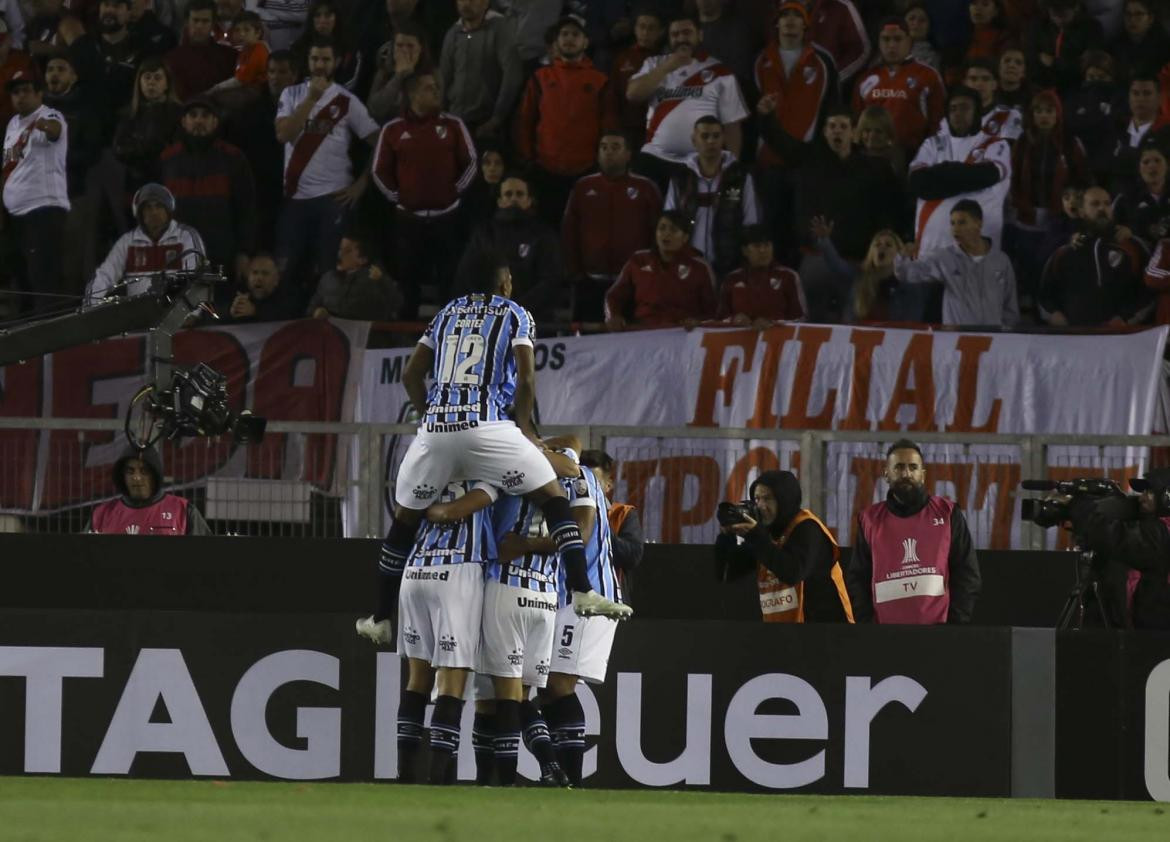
x: 807, y: 555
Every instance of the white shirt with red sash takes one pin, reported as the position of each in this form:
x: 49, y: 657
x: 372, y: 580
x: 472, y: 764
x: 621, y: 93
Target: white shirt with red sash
x: 911, y: 562
x: 703, y: 87
x: 317, y: 163
x: 34, y: 166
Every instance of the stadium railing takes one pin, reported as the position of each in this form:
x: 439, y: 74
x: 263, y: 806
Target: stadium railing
x: 329, y: 479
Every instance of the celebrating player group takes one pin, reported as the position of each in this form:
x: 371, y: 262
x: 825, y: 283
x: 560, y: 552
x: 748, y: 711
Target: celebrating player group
x: 499, y: 548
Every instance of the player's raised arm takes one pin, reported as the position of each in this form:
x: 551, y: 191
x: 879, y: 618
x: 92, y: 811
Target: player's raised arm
x: 414, y: 378
x: 525, y: 396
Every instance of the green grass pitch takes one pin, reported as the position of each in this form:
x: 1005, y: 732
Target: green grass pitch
x: 86, y: 810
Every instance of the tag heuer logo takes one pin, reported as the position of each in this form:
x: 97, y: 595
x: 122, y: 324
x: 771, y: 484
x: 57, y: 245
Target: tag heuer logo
x: 683, y: 270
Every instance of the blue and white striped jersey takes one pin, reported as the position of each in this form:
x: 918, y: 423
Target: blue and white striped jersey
x: 470, y: 541
x: 475, y: 368
x: 585, y: 490
x: 538, y: 573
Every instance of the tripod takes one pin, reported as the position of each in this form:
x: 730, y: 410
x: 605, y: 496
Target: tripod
x: 1072, y: 615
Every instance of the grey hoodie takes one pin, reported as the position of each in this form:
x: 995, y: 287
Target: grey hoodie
x: 976, y: 290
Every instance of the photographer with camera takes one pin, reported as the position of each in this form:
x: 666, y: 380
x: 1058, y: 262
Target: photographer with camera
x: 1131, y: 549
x: 794, y: 556
x: 914, y: 561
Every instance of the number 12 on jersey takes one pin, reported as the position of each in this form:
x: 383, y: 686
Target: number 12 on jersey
x: 469, y: 350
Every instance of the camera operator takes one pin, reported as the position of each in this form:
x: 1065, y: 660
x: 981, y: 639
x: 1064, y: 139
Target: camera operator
x: 914, y: 561
x: 143, y: 506
x: 793, y: 554
x: 1136, y: 551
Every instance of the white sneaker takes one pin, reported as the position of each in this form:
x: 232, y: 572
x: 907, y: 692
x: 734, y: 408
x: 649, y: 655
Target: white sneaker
x: 593, y: 604
x: 380, y: 633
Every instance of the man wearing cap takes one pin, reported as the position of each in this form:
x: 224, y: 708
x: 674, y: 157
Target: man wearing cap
x: 1137, y: 550
x: 213, y: 188
x: 960, y: 161
x: 157, y: 244
x: 681, y: 87
x: 35, y: 188
x: 912, y: 92
x: 565, y: 107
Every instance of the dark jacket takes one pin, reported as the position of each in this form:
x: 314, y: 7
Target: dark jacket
x: 1143, y: 545
x: 87, y: 133
x: 141, y: 138
x: 727, y: 211
x: 253, y: 131
x: 1066, y: 48
x: 807, y: 555
x: 155, y: 37
x: 1094, y: 282
x: 214, y: 194
x: 860, y: 194
x: 532, y: 251
x: 965, y: 581
x: 357, y: 296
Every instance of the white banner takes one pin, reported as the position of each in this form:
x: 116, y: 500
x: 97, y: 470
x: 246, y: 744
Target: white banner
x: 820, y: 377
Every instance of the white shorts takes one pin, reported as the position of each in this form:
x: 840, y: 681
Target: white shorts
x: 439, y: 614
x: 495, y: 452
x: 581, y: 645
x: 517, y: 633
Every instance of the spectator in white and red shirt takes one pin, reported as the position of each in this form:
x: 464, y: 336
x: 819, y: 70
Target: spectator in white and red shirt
x: 35, y: 188
x: 315, y: 121
x: 680, y: 87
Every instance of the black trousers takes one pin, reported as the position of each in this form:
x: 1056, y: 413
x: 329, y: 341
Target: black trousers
x: 426, y: 253
x: 38, y: 240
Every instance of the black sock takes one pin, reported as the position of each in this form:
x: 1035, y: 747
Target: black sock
x: 566, y: 722
x: 507, y: 740
x: 444, y: 736
x: 391, y: 563
x: 565, y: 532
x: 481, y: 740
x: 411, y: 708
x: 536, y: 736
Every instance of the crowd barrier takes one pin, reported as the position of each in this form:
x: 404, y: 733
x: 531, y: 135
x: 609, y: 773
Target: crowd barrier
x: 237, y: 658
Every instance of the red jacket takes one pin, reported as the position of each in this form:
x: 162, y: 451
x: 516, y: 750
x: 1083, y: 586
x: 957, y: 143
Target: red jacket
x: 838, y: 28
x: 197, y: 67
x: 659, y: 294
x: 423, y: 164
x: 913, y: 94
x: 564, y: 109
x: 770, y: 293
x: 606, y: 221
x: 800, y: 97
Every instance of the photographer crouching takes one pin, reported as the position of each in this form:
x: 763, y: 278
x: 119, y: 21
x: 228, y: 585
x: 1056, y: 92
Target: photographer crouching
x: 1133, y: 549
x: 794, y: 556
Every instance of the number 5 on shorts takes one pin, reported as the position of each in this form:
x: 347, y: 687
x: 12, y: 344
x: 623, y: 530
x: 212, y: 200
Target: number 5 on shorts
x: 567, y: 636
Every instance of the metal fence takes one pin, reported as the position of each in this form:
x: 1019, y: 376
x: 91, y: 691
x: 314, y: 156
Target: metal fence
x: 332, y: 480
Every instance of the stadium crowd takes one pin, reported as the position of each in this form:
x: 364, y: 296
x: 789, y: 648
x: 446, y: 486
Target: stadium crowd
x: 998, y: 162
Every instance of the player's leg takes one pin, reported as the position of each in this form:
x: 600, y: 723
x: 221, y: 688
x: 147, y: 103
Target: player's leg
x: 566, y: 723
x: 538, y: 644
x: 445, y: 721
x: 412, y: 706
x: 483, y: 732
x: 506, y: 742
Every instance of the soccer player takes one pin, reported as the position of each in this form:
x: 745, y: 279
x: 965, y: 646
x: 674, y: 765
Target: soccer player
x: 439, y: 629
x: 581, y: 645
x: 519, y: 612
x: 477, y: 425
